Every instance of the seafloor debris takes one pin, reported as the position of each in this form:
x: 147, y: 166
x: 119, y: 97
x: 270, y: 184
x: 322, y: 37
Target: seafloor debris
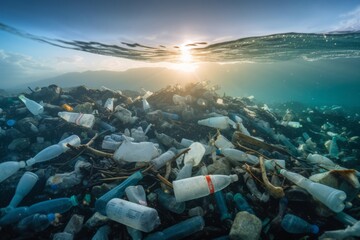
x: 67, y: 156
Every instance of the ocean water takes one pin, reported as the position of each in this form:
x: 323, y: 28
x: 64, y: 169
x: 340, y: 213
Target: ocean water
x: 315, y: 75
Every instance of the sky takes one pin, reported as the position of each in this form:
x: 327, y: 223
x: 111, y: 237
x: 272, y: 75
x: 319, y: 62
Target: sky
x: 152, y: 23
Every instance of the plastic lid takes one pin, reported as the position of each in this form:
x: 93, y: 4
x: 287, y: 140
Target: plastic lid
x: 30, y: 162
x: 218, y: 151
x: 74, y: 200
x: 234, y: 178
x: 51, y: 217
x: 314, y: 229
x: 10, y: 122
x: 22, y: 164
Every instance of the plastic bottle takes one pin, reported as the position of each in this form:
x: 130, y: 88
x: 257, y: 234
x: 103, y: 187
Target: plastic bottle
x: 102, y: 233
x: 169, y: 202
x: 31, y: 105
x: 334, y: 149
x: 200, y: 186
x: 106, y: 126
x: 221, y: 204
x: 136, y: 152
x: 14, y: 215
x: 179, y: 231
x: 8, y: 169
x: 133, y: 215
x: 347, y: 233
x: 296, y: 225
x: 319, y: 159
x: 170, y: 116
x: 346, y: 219
x: 291, y: 124
x: 270, y: 164
x: 75, y: 224
x: 222, y: 142
x: 217, y: 122
x: 118, y: 191
x: 136, y: 194
x: 240, y: 156
x: 242, y: 204
x: 54, y: 150
x: 330, y: 197
x: 161, y: 160
x: 185, y: 171
x: 26, y: 183
x: 81, y: 119
x: 36, y: 222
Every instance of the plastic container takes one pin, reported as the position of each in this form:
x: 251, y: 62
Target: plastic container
x: 161, y: 160
x: 136, y: 194
x: 221, y: 205
x: 109, y: 104
x: 330, y: 197
x: 34, y: 107
x: 200, y: 186
x: 133, y: 215
x: 80, y: 119
x: 296, y: 225
x: 36, y: 222
x: 54, y: 150
x: 180, y: 230
x: 242, y: 204
x: 26, y: 183
x: 136, y: 152
x: 169, y: 202
x: 217, y: 122
x: 118, y: 191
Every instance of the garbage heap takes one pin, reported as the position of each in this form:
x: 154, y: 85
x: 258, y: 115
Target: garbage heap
x: 180, y: 163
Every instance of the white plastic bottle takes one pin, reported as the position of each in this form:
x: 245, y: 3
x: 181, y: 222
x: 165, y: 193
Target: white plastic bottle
x: 26, y: 183
x: 161, y: 160
x: 200, y: 186
x: 330, y: 197
x: 319, y: 159
x: 217, y: 122
x: 54, y: 150
x: 7, y: 169
x: 34, y: 107
x: 133, y: 215
x: 81, y: 119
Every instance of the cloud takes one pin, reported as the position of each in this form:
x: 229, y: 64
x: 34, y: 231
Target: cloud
x: 17, y: 68
x: 350, y: 21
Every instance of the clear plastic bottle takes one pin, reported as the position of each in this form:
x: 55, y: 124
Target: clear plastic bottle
x: 217, y: 122
x: 109, y: 104
x: 179, y: 231
x: 7, y: 169
x: 133, y: 215
x: 81, y: 119
x: 31, y: 105
x: 54, y: 150
x: 240, y: 156
x: 330, y: 197
x: 161, y: 160
x: 319, y: 159
x: 26, y: 183
x: 296, y: 225
x: 200, y: 186
x: 36, y: 222
x: 58, y: 205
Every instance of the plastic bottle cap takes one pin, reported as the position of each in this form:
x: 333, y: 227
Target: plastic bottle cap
x: 22, y: 164
x: 218, y: 151
x: 30, y: 162
x: 74, y: 200
x: 234, y: 178
x: 10, y: 122
x: 51, y: 217
x: 282, y: 171
x: 314, y: 229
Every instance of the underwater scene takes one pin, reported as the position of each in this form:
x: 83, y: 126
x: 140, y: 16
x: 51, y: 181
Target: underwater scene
x: 179, y: 120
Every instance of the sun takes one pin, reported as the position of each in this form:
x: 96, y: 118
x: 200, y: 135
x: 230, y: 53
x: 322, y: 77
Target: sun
x: 186, y: 63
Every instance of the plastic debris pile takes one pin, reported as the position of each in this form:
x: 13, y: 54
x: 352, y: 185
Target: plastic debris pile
x: 180, y: 163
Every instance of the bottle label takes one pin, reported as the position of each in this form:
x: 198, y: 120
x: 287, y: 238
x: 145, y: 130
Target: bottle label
x: 210, y: 184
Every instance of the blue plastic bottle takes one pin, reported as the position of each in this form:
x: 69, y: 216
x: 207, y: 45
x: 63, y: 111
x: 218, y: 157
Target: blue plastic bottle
x: 58, y: 205
x: 180, y: 230
x: 117, y: 192
x: 242, y: 204
x: 296, y: 225
x: 221, y: 204
x: 169, y: 202
x: 36, y: 222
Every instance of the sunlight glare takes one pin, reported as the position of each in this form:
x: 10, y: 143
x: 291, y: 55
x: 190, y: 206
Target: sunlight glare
x: 186, y: 60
